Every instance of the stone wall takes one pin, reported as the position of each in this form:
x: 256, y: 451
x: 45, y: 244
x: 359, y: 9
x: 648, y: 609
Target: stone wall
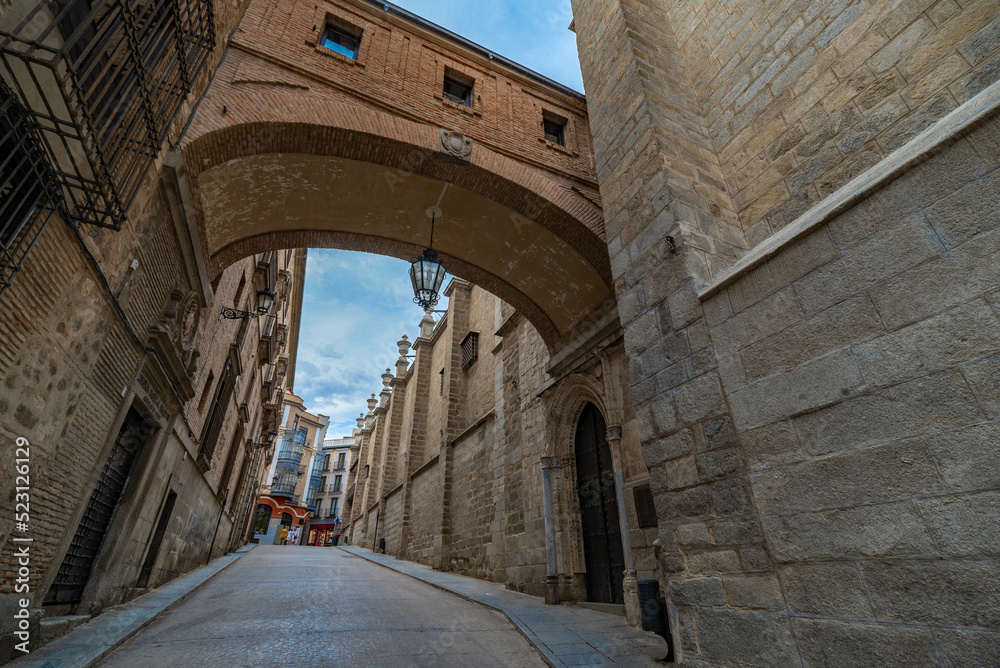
x: 802, y: 96
x: 474, y: 504
x: 801, y: 399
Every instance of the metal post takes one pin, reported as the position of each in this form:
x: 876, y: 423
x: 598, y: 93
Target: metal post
x: 551, y: 577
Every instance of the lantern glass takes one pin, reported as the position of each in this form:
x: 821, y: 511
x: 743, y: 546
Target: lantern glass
x: 427, y: 275
x: 272, y: 437
x: 265, y: 300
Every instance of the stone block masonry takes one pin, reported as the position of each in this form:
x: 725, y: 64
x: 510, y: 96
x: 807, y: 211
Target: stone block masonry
x: 845, y: 357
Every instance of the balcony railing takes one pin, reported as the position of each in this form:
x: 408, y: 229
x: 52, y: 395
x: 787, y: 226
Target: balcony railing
x: 30, y: 194
x: 103, y: 80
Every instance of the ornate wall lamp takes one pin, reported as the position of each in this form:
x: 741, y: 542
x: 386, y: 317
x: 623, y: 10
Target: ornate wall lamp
x: 271, y: 438
x: 265, y: 300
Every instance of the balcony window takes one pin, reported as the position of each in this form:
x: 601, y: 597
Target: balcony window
x: 340, y: 460
x: 337, y: 481
x: 103, y: 81
x: 342, y: 40
x: 27, y: 186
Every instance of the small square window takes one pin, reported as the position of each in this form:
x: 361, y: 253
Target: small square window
x: 555, y: 131
x: 342, y: 40
x: 470, y: 350
x: 457, y: 92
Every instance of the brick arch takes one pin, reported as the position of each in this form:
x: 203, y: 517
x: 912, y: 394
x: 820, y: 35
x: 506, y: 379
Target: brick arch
x: 533, y: 202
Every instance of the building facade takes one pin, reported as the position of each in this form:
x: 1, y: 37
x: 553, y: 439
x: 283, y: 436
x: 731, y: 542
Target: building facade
x: 295, y: 479
x: 788, y: 210
x: 325, y: 525
x: 472, y: 459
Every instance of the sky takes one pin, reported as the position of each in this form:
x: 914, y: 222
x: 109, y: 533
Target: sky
x: 356, y: 305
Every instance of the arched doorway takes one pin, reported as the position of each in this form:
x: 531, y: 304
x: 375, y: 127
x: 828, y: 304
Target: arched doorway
x: 595, y: 479
x: 263, y: 519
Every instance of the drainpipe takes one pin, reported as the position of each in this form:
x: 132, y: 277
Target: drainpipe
x: 630, y: 584
x: 551, y: 577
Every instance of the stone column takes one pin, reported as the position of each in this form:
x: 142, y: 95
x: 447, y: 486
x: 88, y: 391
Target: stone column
x: 551, y: 576
x: 631, y: 586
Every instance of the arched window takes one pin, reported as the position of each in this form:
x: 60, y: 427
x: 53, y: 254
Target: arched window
x: 286, y: 519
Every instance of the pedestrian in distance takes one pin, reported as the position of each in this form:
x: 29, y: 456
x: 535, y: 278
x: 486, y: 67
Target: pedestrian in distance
x: 284, y: 535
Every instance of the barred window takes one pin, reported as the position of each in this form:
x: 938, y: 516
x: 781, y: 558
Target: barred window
x: 470, y: 350
x: 106, y: 94
x: 26, y: 184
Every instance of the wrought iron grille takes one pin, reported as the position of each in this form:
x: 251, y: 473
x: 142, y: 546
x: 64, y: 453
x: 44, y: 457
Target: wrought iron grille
x: 28, y: 188
x: 75, y: 569
x: 103, y: 80
x: 470, y: 350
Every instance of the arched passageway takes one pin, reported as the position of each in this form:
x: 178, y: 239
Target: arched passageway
x: 299, y: 148
x: 265, y: 186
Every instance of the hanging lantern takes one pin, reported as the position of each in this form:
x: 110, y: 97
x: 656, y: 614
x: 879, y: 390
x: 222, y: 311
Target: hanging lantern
x: 427, y: 275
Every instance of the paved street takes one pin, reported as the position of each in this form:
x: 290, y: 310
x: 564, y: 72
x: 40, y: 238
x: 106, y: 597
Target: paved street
x: 305, y: 606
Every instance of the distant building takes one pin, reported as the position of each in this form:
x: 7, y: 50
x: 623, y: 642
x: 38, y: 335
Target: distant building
x: 292, y: 496
x: 330, y: 465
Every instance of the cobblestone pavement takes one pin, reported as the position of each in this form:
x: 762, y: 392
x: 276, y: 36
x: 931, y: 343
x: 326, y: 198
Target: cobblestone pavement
x: 307, y: 606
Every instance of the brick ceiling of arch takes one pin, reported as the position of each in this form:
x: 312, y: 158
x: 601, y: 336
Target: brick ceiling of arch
x: 290, y: 148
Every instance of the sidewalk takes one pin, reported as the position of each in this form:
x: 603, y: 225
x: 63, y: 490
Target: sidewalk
x: 565, y: 635
x: 89, y: 643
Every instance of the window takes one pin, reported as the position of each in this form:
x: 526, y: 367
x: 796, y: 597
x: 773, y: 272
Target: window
x: 457, y: 91
x: 470, y: 350
x: 124, y: 70
x: 555, y: 131
x: 217, y: 415
x: 24, y: 172
x: 333, y: 507
x: 344, y: 41
x: 337, y: 482
x: 645, y: 510
x: 441, y: 387
x: 340, y: 460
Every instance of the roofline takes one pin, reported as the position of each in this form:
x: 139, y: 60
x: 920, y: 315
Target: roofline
x: 472, y: 46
